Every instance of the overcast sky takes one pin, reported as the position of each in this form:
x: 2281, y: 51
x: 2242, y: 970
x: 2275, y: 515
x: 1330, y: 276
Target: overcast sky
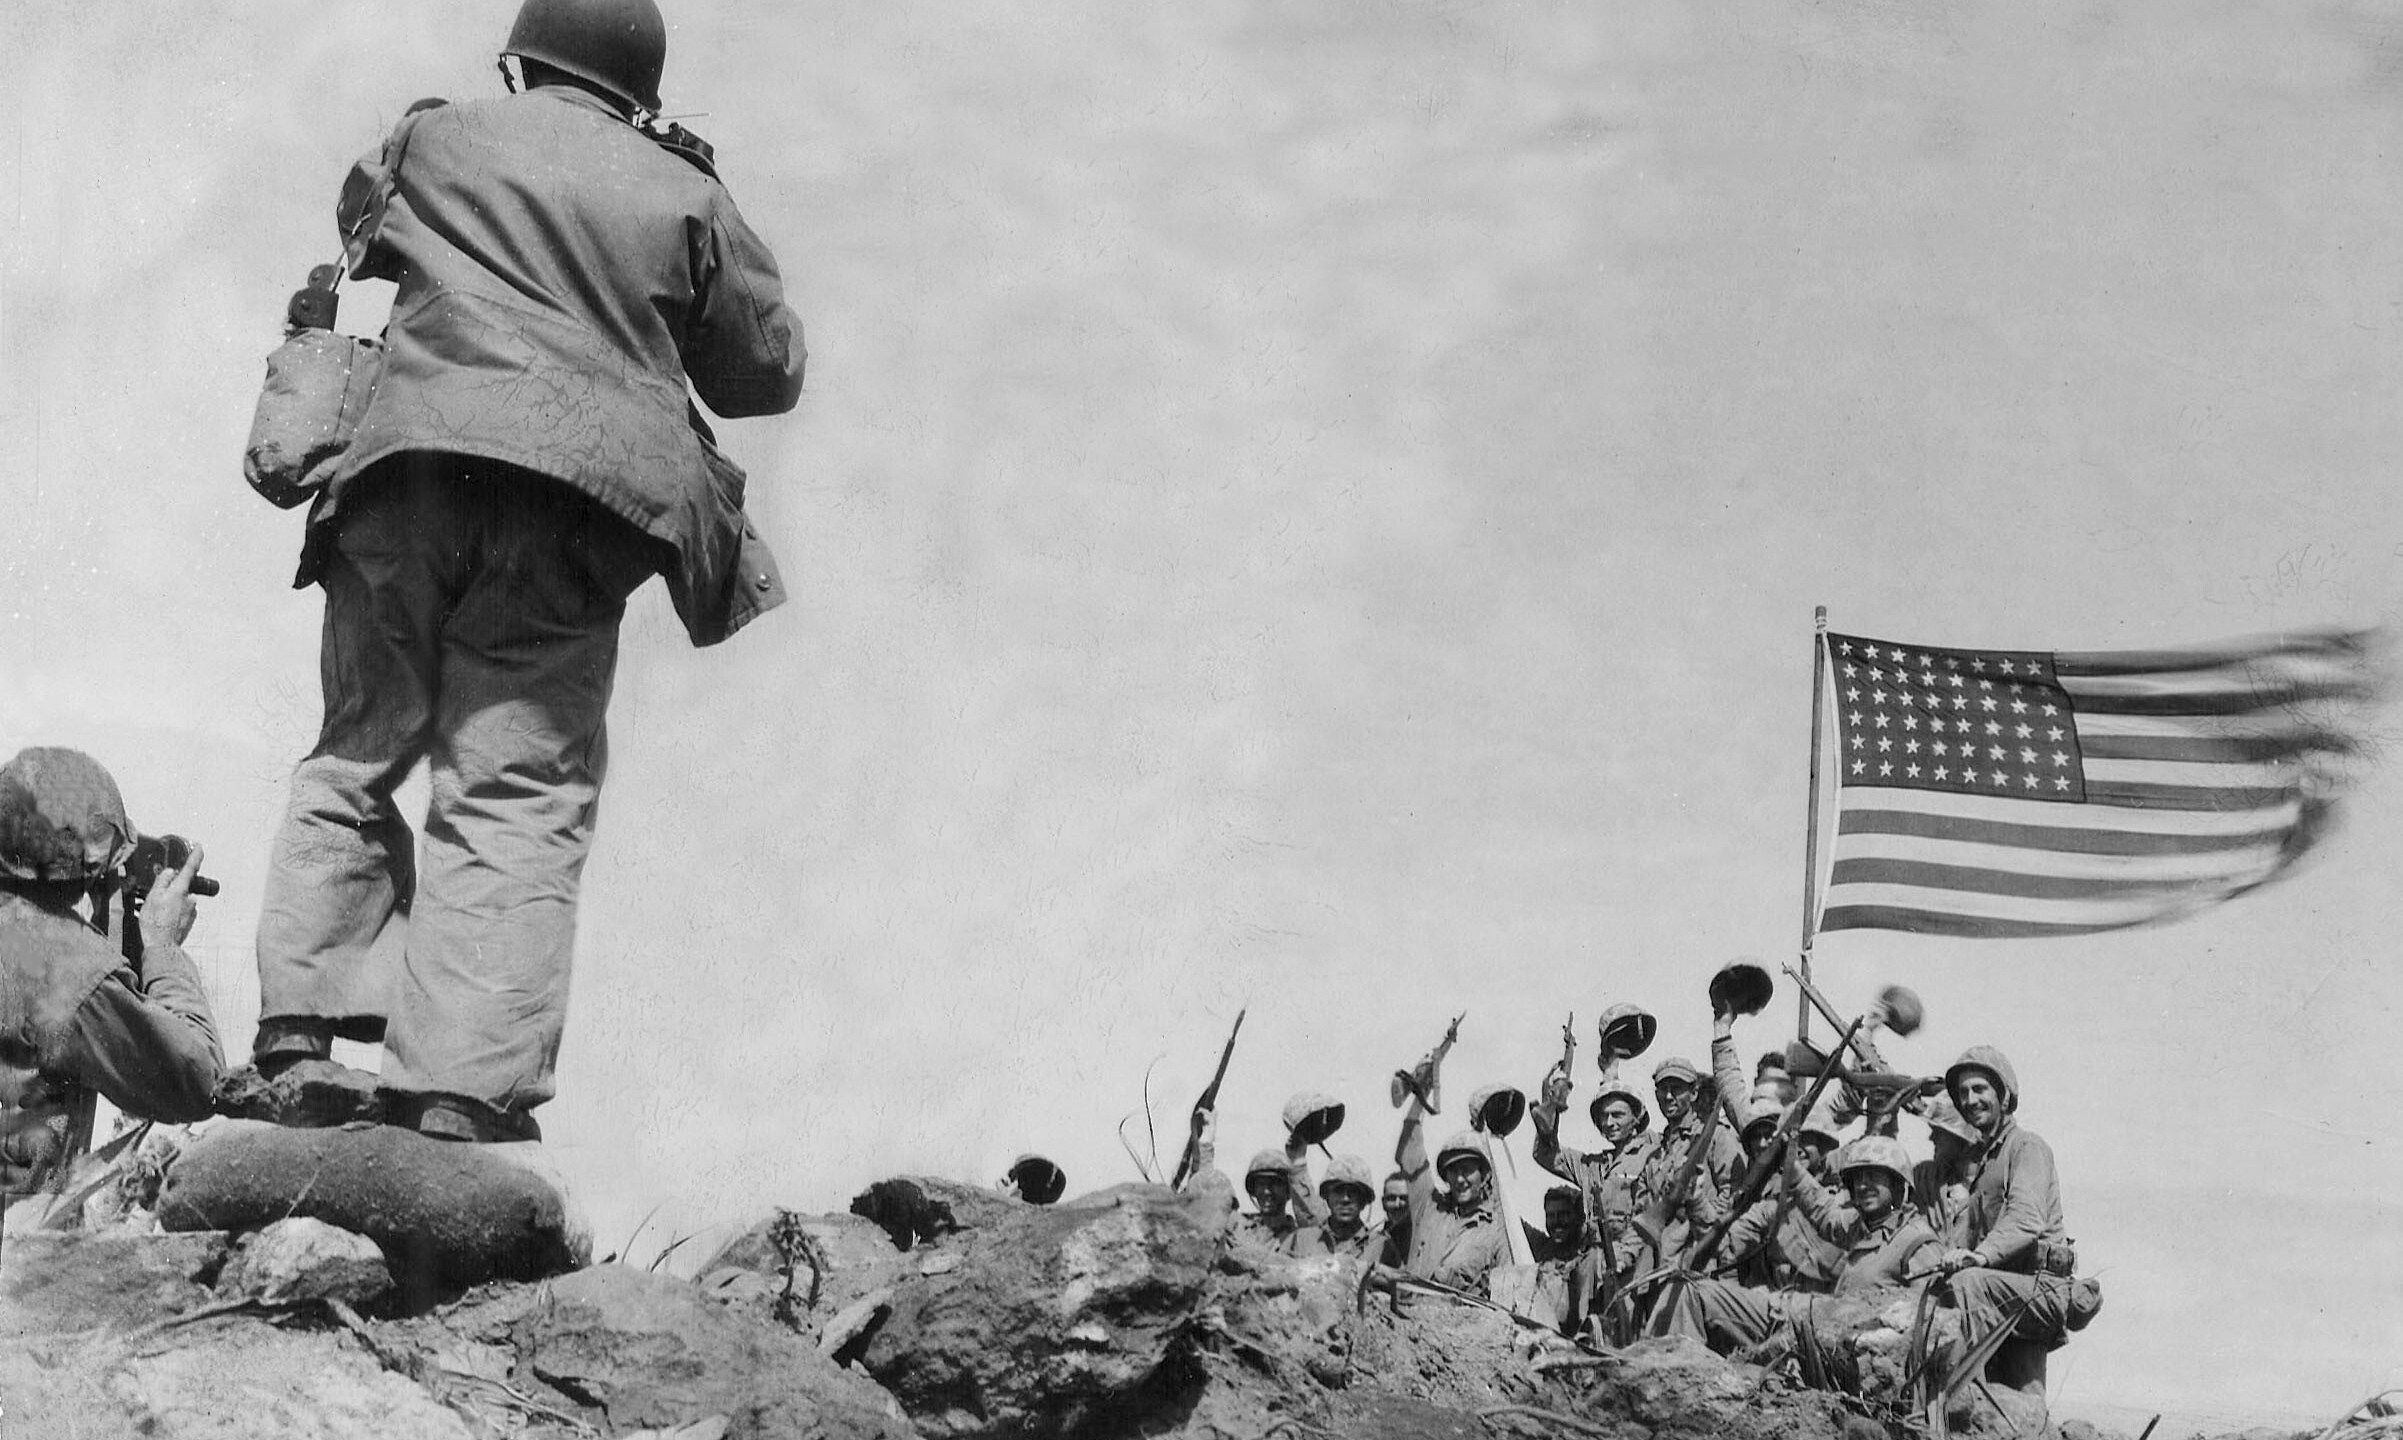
x: 1319, y: 509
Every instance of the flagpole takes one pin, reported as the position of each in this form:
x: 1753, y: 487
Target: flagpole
x: 1810, y: 832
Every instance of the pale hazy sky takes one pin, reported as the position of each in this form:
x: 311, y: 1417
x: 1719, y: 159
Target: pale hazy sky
x: 1319, y: 508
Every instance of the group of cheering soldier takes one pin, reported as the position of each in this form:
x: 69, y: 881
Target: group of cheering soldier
x: 1719, y: 1209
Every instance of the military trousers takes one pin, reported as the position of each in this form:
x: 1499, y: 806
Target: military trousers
x: 2039, y: 1303
x: 471, y: 622
x: 1724, y: 1315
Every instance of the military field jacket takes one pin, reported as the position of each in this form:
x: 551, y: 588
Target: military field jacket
x: 1874, y: 1255
x: 2014, y: 1198
x: 70, y: 1007
x: 1613, y: 1182
x: 561, y: 278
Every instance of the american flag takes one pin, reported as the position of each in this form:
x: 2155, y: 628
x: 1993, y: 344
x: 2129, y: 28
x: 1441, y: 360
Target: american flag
x: 2018, y: 793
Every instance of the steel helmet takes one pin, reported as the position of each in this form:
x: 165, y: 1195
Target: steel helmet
x: 1353, y: 1171
x: 1903, y: 1010
x: 61, y: 818
x: 1621, y: 1090
x: 1497, y: 1109
x: 1822, y: 1122
x: 1312, y: 1117
x: 1877, y: 1152
x: 1741, y: 988
x: 1941, y: 1115
x: 619, y: 45
x: 1463, y: 1145
x: 1268, y: 1162
x: 1625, y: 1031
x: 1990, y: 1060
x: 1039, y: 1181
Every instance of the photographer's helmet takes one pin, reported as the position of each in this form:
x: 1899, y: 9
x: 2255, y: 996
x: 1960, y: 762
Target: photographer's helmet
x: 61, y: 818
x: 619, y: 45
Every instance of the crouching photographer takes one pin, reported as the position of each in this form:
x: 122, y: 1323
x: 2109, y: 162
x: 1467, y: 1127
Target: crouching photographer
x: 90, y: 995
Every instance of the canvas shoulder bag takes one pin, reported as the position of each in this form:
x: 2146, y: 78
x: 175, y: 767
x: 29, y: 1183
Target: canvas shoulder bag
x: 319, y: 381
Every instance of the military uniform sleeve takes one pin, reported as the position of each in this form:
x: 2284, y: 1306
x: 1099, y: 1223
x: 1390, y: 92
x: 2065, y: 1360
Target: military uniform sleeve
x: 1750, y: 1231
x: 1308, y: 1209
x: 1410, y: 1147
x: 1725, y: 1164
x: 152, y: 1051
x: 743, y: 348
x: 1562, y: 1161
x: 1830, y: 1216
x: 2031, y: 1202
x: 1728, y: 1075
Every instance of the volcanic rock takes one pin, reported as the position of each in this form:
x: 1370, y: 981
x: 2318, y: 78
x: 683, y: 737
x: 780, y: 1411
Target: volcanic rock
x: 247, y: 1381
x: 834, y: 1262
x: 304, y: 1094
x: 303, y: 1259
x: 629, y: 1349
x: 1073, y: 1320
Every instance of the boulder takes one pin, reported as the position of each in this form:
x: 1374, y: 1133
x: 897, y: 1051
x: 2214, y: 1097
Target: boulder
x: 1289, y: 1320
x: 837, y: 1261
x: 631, y: 1350
x: 446, y: 1215
x: 1059, y: 1321
x: 53, y: 1282
x: 303, y: 1259
x: 245, y: 1381
x: 1979, y: 1411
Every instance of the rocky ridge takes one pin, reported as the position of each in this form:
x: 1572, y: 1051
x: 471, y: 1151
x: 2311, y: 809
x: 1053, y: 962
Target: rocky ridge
x: 934, y: 1310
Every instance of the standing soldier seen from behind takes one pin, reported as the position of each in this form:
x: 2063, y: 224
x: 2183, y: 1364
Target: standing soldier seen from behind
x: 74, y: 1013
x: 531, y: 455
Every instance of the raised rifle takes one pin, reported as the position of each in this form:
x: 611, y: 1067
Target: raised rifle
x: 1201, y: 1110
x: 1766, y: 1162
x: 1568, y: 1051
x: 1861, y: 1046
x: 1654, y: 1219
x: 1426, y: 1080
